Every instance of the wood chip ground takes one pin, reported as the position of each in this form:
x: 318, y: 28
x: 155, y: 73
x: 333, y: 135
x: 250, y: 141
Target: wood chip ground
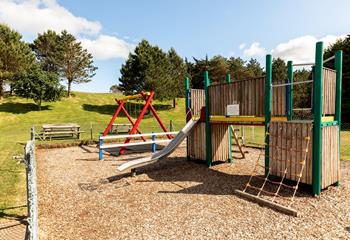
x: 83, y: 198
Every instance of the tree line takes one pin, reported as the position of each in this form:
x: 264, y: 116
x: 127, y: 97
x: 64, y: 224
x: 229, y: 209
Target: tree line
x: 35, y: 70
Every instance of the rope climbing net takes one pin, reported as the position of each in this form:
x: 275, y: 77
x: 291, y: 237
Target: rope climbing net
x: 261, y: 188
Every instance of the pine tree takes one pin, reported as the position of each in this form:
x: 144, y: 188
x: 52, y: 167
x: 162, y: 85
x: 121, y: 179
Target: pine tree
x: 15, y: 56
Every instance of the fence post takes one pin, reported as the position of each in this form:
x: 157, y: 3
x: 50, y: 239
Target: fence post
x: 187, y: 109
x: 230, y: 131
x: 154, y: 146
x: 91, y: 131
x: 100, y: 149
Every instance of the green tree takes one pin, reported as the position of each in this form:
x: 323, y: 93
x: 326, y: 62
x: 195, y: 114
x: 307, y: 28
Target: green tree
x: 148, y: 69
x: 15, y: 56
x: 302, y: 93
x: 177, y: 71
x: 218, y: 68
x: 342, y: 44
x: 279, y: 70
x: 254, y: 68
x: 38, y: 85
x: 114, y: 89
x: 75, y: 63
x: 47, y: 50
x: 237, y: 68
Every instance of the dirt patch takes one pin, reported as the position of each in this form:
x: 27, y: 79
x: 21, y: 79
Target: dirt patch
x: 83, y: 198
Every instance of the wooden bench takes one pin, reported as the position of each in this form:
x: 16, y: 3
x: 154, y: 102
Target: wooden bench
x: 61, y: 130
x: 120, y: 128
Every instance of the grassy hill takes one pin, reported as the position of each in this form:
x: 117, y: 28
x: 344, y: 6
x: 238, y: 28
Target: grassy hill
x: 18, y: 115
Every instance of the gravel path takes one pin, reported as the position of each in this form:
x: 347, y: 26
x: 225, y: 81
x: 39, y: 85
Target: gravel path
x: 83, y: 198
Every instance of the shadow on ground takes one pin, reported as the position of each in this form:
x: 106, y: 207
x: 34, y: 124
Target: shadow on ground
x: 210, y: 181
x: 21, y: 108
x: 132, y: 108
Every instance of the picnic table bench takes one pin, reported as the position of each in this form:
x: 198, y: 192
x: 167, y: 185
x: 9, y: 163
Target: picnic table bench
x: 61, y: 130
x: 120, y: 128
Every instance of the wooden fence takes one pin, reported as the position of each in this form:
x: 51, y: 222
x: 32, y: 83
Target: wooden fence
x: 197, y: 99
x: 328, y: 91
x: 330, y: 156
x: 250, y: 96
x: 219, y: 139
x: 288, y: 146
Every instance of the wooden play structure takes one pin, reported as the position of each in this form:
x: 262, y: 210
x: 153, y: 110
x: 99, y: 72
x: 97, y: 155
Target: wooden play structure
x: 134, y: 130
x: 302, y: 151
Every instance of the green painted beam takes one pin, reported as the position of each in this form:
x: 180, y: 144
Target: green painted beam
x: 338, y: 95
x: 332, y: 123
x: 268, y: 105
x: 317, y: 128
x: 230, y: 142
x: 208, y: 149
x: 187, y: 108
x: 290, y: 90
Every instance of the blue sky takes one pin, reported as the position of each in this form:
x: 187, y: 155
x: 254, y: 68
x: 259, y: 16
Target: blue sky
x: 110, y: 29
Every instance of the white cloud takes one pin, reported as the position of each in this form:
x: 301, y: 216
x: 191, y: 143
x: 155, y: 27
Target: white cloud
x: 36, y: 16
x: 254, y: 50
x: 33, y: 16
x: 107, y: 47
x: 241, y: 46
x: 302, y: 49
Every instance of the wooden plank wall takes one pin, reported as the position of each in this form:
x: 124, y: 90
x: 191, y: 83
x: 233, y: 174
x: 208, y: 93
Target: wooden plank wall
x: 220, y: 142
x: 330, y: 156
x: 197, y: 99
x: 287, y: 150
x: 196, y: 142
x: 250, y: 96
x: 329, y: 82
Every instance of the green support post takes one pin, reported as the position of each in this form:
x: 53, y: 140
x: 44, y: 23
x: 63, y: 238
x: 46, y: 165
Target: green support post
x: 290, y: 90
x: 228, y: 78
x: 338, y: 95
x: 187, y: 108
x: 208, y: 149
x: 317, y: 128
x: 230, y: 133
x: 268, y: 104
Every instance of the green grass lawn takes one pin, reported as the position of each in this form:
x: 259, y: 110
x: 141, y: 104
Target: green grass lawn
x: 18, y: 115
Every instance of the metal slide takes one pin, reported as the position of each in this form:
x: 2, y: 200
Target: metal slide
x: 162, y: 153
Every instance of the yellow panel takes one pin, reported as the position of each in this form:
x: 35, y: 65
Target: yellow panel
x: 327, y: 119
x: 244, y: 119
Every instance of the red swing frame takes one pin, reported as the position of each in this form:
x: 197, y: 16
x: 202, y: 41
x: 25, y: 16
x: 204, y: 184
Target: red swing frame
x: 135, y: 129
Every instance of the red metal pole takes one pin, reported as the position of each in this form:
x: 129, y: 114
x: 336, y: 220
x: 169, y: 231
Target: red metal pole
x: 130, y: 119
x: 133, y: 130
x: 155, y: 114
x: 121, y: 105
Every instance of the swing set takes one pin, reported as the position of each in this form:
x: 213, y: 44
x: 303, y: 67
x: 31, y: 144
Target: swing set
x: 147, y: 97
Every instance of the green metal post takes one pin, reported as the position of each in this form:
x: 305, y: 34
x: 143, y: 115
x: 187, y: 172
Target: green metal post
x: 317, y: 128
x: 290, y: 91
x: 338, y: 95
x: 228, y: 78
x: 268, y: 104
x: 208, y: 152
x: 230, y: 142
x: 187, y: 108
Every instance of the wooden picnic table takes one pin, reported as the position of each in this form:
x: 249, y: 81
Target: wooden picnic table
x: 61, y: 130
